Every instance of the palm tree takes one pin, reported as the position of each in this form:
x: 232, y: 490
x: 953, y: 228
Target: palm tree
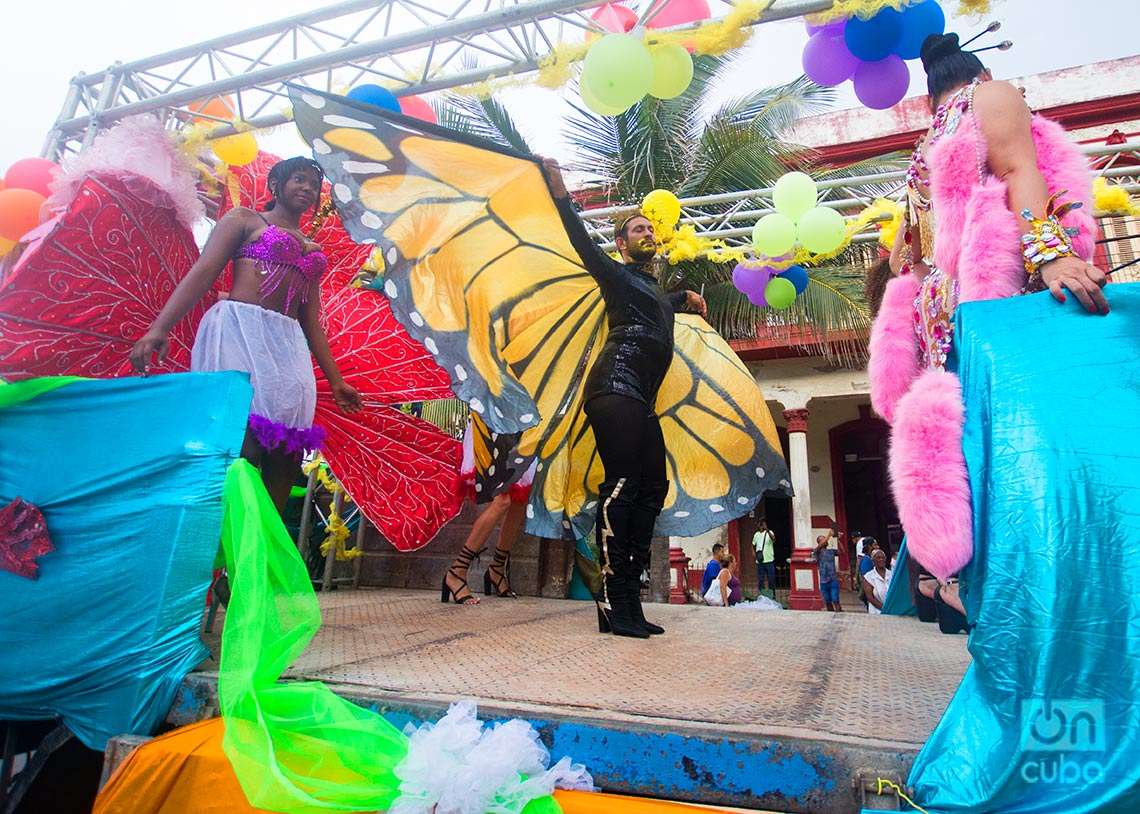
x: 677, y: 145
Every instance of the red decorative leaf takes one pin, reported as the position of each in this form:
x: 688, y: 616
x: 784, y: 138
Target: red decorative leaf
x: 85, y: 292
x: 23, y: 538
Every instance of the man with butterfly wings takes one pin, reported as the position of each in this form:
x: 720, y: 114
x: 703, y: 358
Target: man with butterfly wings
x: 532, y: 323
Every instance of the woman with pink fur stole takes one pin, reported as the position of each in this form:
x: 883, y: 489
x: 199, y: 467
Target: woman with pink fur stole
x: 998, y: 205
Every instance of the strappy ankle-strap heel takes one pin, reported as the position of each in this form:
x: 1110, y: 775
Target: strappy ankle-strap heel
x: 497, y: 577
x: 458, y: 571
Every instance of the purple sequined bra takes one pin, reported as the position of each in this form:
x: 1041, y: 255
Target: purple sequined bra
x: 282, y: 260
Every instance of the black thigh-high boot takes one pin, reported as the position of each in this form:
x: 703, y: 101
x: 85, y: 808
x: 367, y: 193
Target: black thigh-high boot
x: 650, y: 499
x: 615, y: 608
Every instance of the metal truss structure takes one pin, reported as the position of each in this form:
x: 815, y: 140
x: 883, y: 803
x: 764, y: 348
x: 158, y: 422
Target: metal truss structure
x: 417, y: 48
x: 730, y: 216
x: 413, y: 46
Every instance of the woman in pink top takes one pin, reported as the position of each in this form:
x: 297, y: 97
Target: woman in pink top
x: 268, y: 324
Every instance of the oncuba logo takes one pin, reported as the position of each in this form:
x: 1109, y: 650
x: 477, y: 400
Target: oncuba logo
x: 1068, y: 732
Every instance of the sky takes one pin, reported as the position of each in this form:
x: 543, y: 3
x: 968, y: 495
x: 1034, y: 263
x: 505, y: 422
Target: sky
x: 49, y: 42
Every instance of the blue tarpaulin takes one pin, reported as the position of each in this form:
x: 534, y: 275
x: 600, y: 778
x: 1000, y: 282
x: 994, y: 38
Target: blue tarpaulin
x: 1047, y: 718
x: 899, y: 600
x: 129, y: 475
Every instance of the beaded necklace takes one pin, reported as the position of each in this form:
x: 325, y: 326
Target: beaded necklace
x: 944, y: 122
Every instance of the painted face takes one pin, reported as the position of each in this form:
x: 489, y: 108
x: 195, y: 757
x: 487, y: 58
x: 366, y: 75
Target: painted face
x: 301, y: 190
x: 640, y: 243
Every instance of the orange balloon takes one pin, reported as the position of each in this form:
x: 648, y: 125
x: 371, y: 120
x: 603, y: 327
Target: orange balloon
x: 19, y: 212
x: 219, y: 107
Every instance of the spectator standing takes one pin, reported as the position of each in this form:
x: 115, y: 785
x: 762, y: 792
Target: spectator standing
x: 764, y: 541
x: 825, y: 555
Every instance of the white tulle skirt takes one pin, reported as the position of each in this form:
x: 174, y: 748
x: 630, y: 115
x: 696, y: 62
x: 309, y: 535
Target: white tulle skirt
x: 272, y: 349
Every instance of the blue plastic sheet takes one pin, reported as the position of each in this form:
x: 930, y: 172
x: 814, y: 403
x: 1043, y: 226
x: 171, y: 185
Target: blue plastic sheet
x: 1047, y: 718
x: 899, y: 600
x: 129, y: 475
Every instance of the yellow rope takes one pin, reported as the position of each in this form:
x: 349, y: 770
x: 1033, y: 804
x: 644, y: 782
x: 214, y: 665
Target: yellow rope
x: 898, y: 790
x: 338, y: 532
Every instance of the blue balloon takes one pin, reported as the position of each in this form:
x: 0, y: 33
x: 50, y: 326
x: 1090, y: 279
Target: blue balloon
x: 797, y: 276
x: 919, y: 22
x: 876, y: 38
x: 376, y: 96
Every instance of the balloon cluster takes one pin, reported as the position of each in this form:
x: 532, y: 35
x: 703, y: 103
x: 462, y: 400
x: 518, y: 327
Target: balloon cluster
x: 818, y: 229
x: 768, y: 288
x: 25, y: 187
x: 620, y: 69
x: 413, y: 106
x: 872, y: 52
x: 236, y: 150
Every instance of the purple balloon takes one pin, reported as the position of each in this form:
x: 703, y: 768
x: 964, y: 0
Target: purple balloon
x: 827, y: 61
x: 758, y: 299
x: 751, y: 281
x: 834, y: 27
x: 882, y: 84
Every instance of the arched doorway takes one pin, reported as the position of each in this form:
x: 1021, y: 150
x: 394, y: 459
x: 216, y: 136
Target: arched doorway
x: 863, y: 500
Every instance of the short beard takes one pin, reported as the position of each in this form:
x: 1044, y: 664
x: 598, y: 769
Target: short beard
x: 641, y: 255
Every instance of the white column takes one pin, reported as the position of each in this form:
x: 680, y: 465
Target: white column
x: 804, y: 573
x: 798, y: 467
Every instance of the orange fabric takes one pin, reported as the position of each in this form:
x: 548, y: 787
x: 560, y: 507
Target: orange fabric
x: 182, y: 772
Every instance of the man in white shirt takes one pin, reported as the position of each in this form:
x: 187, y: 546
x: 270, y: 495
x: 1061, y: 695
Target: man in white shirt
x: 876, y: 582
x: 764, y: 541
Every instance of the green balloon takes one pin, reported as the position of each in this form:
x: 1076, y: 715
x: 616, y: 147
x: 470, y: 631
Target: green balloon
x: 672, y: 71
x: 822, y: 230
x: 780, y: 293
x: 774, y: 235
x: 795, y: 194
x: 618, y: 70
x: 591, y: 102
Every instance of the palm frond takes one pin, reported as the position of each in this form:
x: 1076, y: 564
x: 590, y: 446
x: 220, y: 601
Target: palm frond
x: 485, y: 118
x: 774, y: 110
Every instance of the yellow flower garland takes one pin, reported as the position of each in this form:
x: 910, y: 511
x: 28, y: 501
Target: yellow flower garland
x: 682, y: 243
x: 338, y: 532
x: 1112, y: 199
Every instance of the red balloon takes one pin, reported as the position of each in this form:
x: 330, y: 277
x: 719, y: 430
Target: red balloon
x: 417, y: 108
x: 19, y: 212
x: 35, y: 174
x: 679, y: 12
x: 614, y: 18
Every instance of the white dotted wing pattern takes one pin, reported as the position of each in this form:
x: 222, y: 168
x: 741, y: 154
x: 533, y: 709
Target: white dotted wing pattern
x: 475, y: 254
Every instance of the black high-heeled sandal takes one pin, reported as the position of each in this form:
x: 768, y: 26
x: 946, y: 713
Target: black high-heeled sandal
x: 462, y: 595
x: 500, y: 565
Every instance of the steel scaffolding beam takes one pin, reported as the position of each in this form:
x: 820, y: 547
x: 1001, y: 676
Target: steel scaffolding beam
x: 410, y: 45
x: 721, y: 216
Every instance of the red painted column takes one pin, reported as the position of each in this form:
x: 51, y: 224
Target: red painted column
x: 678, y: 593
x: 803, y: 572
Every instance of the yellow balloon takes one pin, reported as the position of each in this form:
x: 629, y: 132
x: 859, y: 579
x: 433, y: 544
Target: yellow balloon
x: 6, y: 245
x: 236, y: 150
x: 661, y: 206
x: 593, y: 103
x: 672, y: 71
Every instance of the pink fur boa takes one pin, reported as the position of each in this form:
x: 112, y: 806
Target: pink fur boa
x: 977, y: 234
x: 894, y: 362
x: 144, y: 156
x: 928, y: 473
